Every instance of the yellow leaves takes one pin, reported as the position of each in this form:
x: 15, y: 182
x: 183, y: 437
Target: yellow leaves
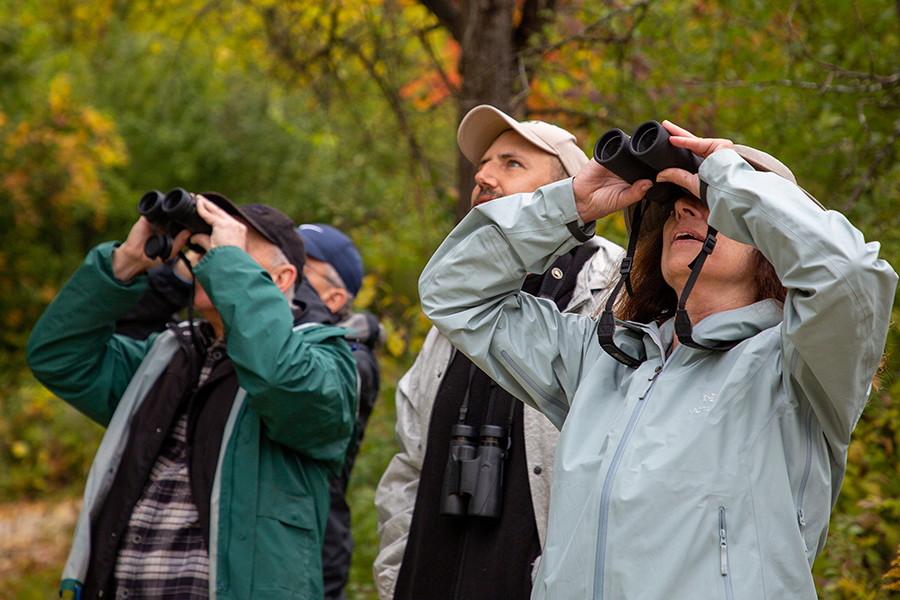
x: 223, y: 55
x: 366, y: 294
x: 396, y: 340
x: 58, y: 155
x: 19, y: 449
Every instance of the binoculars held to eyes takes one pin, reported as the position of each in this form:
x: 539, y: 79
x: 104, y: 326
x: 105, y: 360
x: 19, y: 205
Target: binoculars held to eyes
x: 643, y: 155
x: 171, y: 213
x: 473, y: 479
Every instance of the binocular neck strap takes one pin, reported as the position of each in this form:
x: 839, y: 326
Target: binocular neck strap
x: 464, y: 409
x: 683, y: 326
x: 190, y: 306
x: 607, y: 325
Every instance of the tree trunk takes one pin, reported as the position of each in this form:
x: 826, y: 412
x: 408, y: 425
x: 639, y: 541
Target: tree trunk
x: 488, y: 70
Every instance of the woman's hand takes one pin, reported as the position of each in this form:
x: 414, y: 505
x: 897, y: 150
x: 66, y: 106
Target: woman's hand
x: 702, y: 147
x: 599, y: 192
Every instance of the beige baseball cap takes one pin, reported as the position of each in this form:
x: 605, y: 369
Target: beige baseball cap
x: 484, y: 124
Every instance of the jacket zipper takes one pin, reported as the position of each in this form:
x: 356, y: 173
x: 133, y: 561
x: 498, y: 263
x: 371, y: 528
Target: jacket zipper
x: 724, y: 568
x: 803, y: 481
x: 600, y: 564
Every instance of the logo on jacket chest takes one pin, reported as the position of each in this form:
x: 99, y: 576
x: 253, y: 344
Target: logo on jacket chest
x: 705, y: 404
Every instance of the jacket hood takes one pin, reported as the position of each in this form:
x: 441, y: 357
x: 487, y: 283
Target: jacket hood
x: 365, y: 329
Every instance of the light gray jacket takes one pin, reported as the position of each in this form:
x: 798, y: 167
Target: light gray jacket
x: 395, y: 496
x: 705, y: 474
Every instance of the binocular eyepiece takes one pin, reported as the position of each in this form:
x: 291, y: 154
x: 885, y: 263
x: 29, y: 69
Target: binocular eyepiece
x: 473, y: 479
x: 172, y: 212
x: 643, y: 155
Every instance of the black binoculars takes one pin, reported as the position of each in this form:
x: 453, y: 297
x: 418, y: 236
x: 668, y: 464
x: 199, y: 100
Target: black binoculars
x: 473, y: 479
x: 643, y: 155
x: 172, y: 212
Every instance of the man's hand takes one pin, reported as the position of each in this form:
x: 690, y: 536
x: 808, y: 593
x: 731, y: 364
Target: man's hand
x: 599, y: 192
x: 700, y: 146
x: 129, y: 259
x: 226, y: 230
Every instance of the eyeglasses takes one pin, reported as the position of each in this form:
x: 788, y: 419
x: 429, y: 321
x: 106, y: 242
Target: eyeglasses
x: 307, y: 268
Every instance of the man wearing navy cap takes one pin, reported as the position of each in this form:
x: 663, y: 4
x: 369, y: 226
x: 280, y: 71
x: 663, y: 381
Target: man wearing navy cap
x: 221, y: 437
x: 334, y: 268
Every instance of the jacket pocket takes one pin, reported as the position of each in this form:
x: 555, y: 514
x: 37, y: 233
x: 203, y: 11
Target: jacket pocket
x: 724, y: 567
x: 285, y: 545
x: 801, y: 521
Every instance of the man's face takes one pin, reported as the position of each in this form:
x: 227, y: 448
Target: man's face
x: 512, y: 165
x: 317, y: 274
x: 322, y: 278
x: 258, y: 248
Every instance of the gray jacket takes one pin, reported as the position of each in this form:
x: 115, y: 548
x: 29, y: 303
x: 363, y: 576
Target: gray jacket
x: 395, y: 496
x: 705, y: 474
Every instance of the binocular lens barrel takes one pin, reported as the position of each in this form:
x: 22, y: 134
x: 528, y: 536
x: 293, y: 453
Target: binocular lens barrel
x: 650, y: 144
x: 644, y: 137
x: 158, y: 245
x: 150, y: 205
x: 464, y: 432
x: 610, y: 144
x: 492, y: 435
x: 613, y: 151
x: 180, y: 206
x: 642, y: 156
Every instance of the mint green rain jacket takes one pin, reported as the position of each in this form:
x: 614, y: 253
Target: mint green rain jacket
x: 707, y: 474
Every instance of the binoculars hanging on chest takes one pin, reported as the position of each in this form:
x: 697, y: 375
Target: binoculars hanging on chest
x: 473, y: 478
x: 172, y: 213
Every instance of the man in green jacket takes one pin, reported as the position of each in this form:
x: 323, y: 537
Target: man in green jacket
x: 212, y: 477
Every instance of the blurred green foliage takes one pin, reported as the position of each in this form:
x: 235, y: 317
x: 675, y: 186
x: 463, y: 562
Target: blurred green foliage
x: 344, y: 113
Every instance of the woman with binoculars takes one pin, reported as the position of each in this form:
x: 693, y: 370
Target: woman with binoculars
x: 704, y: 437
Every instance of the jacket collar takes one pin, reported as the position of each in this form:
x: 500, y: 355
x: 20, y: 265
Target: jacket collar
x: 727, y: 326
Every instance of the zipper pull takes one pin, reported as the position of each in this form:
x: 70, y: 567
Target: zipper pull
x: 651, y: 379
x: 802, y: 522
x: 723, y: 545
x: 723, y: 552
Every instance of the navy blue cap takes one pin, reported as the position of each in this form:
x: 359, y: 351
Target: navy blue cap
x: 329, y: 245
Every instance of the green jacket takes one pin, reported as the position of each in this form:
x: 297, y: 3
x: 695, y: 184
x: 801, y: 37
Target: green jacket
x: 701, y: 474
x: 285, y: 438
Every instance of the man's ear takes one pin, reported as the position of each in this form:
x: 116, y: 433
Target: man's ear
x: 335, y: 299
x: 284, y: 276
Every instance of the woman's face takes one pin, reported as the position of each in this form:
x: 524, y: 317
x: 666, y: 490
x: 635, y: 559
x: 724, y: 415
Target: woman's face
x: 726, y: 272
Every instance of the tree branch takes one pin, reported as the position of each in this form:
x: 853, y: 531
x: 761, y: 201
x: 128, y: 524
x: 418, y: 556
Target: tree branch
x: 419, y: 167
x: 447, y: 14
x: 422, y: 34
x: 870, y: 172
x: 587, y: 34
x: 880, y: 83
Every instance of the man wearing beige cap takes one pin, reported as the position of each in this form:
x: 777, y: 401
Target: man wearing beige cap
x: 462, y: 508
